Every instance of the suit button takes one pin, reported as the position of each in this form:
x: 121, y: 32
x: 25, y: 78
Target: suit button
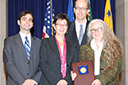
x: 102, y: 69
x: 16, y: 83
x: 27, y: 62
x: 67, y: 65
x: 101, y: 60
x: 27, y: 73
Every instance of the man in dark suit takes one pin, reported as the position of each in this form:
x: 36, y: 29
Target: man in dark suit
x: 78, y: 28
x: 21, y: 63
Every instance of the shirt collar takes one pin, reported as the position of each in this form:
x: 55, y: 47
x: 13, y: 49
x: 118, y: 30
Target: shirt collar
x: 93, y: 45
x: 23, y: 37
x: 81, y: 23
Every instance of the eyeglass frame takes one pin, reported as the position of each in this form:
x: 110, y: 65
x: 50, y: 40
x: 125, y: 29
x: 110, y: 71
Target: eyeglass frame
x: 81, y: 8
x: 64, y: 25
x: 94, y: 30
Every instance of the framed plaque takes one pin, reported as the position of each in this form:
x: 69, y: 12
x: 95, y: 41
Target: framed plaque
x: 84, y: 71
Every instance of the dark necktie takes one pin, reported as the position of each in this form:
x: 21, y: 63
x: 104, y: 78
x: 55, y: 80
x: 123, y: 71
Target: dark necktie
x: 27, y: 47
x: 80, y: 34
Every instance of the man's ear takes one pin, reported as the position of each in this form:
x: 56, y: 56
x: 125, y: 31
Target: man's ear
x: 74, y: 9
x: 54, y: 26
x: 88, y: 11
x: 18, y: 22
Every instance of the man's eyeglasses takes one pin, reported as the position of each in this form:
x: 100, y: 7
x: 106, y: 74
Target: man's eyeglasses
x: 94, y: 30
x: 81, y: 8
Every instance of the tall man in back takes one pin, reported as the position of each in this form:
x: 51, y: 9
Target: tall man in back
x: 21, y: 54
x: 78, y: 28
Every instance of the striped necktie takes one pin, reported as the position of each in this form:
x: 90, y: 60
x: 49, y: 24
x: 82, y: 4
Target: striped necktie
x: 27, y: 47
x: 80, y: 34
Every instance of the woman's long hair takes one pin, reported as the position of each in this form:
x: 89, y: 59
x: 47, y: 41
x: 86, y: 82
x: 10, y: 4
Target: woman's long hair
x: 111, y: 45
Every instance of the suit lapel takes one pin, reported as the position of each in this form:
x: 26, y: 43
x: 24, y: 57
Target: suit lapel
x: 69, y: 49
x: 74, y: 35
x: 84, y: 40
x: 54, y: 45
x: 20, y: 44
x: 33, y: 46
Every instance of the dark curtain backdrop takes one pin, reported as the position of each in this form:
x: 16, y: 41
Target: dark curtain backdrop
x: 38, y: 9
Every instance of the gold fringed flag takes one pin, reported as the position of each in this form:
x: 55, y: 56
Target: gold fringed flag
x: 108, y: 15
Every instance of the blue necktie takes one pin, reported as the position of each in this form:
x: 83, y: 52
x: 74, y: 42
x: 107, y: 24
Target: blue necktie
x: 80, y: 34
x: 27, y: 47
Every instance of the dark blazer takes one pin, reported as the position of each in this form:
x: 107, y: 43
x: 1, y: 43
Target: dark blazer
x: 18, y: 67
x: 107, y: 76
x: 50, y: 62
x: 71, y: 35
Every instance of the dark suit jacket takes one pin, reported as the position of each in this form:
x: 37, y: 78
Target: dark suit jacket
x: 107, y: 76
x: 50, y: 62
x: 18, y: 67
x: 72, y: 35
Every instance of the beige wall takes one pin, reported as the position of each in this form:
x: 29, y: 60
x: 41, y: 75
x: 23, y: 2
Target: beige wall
x: 121, y: 32
x: 2, y: 36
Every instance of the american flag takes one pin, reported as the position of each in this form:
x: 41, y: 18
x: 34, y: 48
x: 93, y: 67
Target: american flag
x: 48, y: 22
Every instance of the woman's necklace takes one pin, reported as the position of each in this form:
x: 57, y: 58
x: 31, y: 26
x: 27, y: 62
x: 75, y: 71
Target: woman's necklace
x: 97, y: 47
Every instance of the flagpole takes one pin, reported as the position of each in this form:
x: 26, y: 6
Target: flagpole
x: 51, y: 17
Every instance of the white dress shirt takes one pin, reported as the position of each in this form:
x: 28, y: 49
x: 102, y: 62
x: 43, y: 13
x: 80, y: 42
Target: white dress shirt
x: 77, y: 25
